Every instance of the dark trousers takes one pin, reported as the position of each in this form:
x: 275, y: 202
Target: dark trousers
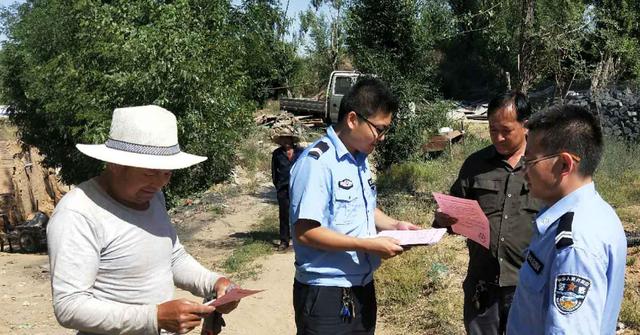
x: 317, y: 310
x: 486, y: 307
x: 283, y: 214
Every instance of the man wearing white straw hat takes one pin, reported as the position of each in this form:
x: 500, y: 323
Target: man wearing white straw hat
x: 114, y: 255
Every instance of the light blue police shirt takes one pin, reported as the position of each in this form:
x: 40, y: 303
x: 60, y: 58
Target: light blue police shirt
x: 331, y: 186
x: 573, y: 277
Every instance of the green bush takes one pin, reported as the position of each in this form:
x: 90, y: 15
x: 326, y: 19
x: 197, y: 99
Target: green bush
x: 410, y: 131
x: 416, y: 177
x: 67, y: 65
x: 425, y: 176
x: 254, y: 153
x: 395, y: 40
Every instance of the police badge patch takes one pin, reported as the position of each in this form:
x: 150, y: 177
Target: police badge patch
x: 346, y: 184
x: 570, y: 292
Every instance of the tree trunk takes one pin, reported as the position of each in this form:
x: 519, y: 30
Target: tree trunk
x: 604, y: 73
x: 527, y: 52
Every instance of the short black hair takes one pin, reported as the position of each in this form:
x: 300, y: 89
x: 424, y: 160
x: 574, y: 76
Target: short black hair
x: 572, y: 129
x: 515, y: 98
x: 368, y: 96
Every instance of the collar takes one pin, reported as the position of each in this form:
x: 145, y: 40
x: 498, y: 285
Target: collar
x: 549, y: 215
x: 493, y: 155
x: 341, y: 149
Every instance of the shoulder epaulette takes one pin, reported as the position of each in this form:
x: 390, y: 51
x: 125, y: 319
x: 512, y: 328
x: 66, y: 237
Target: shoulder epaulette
x: 564, y: 236
x: 320, y: 148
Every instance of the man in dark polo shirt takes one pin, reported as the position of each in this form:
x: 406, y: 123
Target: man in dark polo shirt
x: 493, y: 176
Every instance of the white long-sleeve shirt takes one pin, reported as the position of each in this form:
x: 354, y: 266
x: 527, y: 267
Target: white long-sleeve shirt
x: 112, y: 265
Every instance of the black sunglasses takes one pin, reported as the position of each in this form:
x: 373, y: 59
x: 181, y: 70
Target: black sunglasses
x: 380, y: 131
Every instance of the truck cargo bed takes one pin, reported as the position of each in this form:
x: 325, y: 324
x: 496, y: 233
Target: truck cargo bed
x: 303, y: 106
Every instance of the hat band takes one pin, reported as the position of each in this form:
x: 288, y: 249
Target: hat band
x: 143, y: 149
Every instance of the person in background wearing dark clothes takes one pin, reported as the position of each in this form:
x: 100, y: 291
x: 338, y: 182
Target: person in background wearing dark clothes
x: 281, y: 161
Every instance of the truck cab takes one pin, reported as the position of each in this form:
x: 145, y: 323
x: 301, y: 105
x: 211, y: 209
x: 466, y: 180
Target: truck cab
x: 339, y: 84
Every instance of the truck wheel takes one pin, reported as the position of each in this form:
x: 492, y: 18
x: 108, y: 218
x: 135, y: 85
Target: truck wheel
x: 28, y: 242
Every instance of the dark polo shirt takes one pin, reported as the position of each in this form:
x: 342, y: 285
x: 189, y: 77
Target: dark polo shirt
x: 504, y: 197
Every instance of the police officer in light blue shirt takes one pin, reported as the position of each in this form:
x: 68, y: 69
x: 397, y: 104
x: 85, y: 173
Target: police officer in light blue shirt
x: 573, y: 278
x: 334, y: 218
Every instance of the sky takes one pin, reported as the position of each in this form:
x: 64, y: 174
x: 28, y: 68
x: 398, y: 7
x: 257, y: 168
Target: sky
x: 7, y: 2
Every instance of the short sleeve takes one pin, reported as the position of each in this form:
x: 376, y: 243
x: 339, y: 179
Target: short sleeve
x: 310, y: 188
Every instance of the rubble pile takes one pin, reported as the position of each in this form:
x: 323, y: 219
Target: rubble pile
x: 618, y: 110
x: 306, y: 122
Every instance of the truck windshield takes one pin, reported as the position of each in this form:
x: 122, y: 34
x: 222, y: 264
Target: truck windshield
x: 342, y: 86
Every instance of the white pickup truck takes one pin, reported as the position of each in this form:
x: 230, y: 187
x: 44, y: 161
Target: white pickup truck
x: 339, y: 84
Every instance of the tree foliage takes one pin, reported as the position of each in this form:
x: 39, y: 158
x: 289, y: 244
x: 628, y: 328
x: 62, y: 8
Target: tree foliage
x: 67, y: 65
x: 614, y: 46
x: 395, y: 40
x: 539, y: 42
x: 321, y: 38
x: 267, y: 59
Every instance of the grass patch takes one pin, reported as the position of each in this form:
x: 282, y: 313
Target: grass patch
x: 434, y: 175
x: 420, y: 292
x: 630, y: 217
x: 257, y: 244
x: 618, y: 176
x: 629, y: 313
x: 7, y: 130
x: 618, y: 181
x: 254, y: 153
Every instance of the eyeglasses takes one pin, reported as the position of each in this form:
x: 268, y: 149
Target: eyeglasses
x: 380, y: 131
x: 528, y: 163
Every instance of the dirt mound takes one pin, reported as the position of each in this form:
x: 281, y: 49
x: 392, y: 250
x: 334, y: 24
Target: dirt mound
x: 25, y: 185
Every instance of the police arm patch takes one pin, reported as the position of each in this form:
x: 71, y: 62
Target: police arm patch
x: 570, y: 292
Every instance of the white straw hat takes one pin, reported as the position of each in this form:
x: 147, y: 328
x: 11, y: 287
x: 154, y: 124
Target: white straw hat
x: 145, y: 137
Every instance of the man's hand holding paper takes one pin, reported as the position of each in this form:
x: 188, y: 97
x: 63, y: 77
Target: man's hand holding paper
x: 443, y: 220
x: 464, y: 216
x: 407, y: 238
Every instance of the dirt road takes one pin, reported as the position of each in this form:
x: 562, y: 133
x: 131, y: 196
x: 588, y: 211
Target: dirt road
x: 25, y: 292
x: 269, y: 312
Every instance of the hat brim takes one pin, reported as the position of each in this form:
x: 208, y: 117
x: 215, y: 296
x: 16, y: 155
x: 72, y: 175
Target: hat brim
x: 101, y: 152
x: 294, y: 137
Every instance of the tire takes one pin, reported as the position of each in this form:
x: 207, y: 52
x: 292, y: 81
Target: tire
x: 633, y: 238
x: 28, y: 242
